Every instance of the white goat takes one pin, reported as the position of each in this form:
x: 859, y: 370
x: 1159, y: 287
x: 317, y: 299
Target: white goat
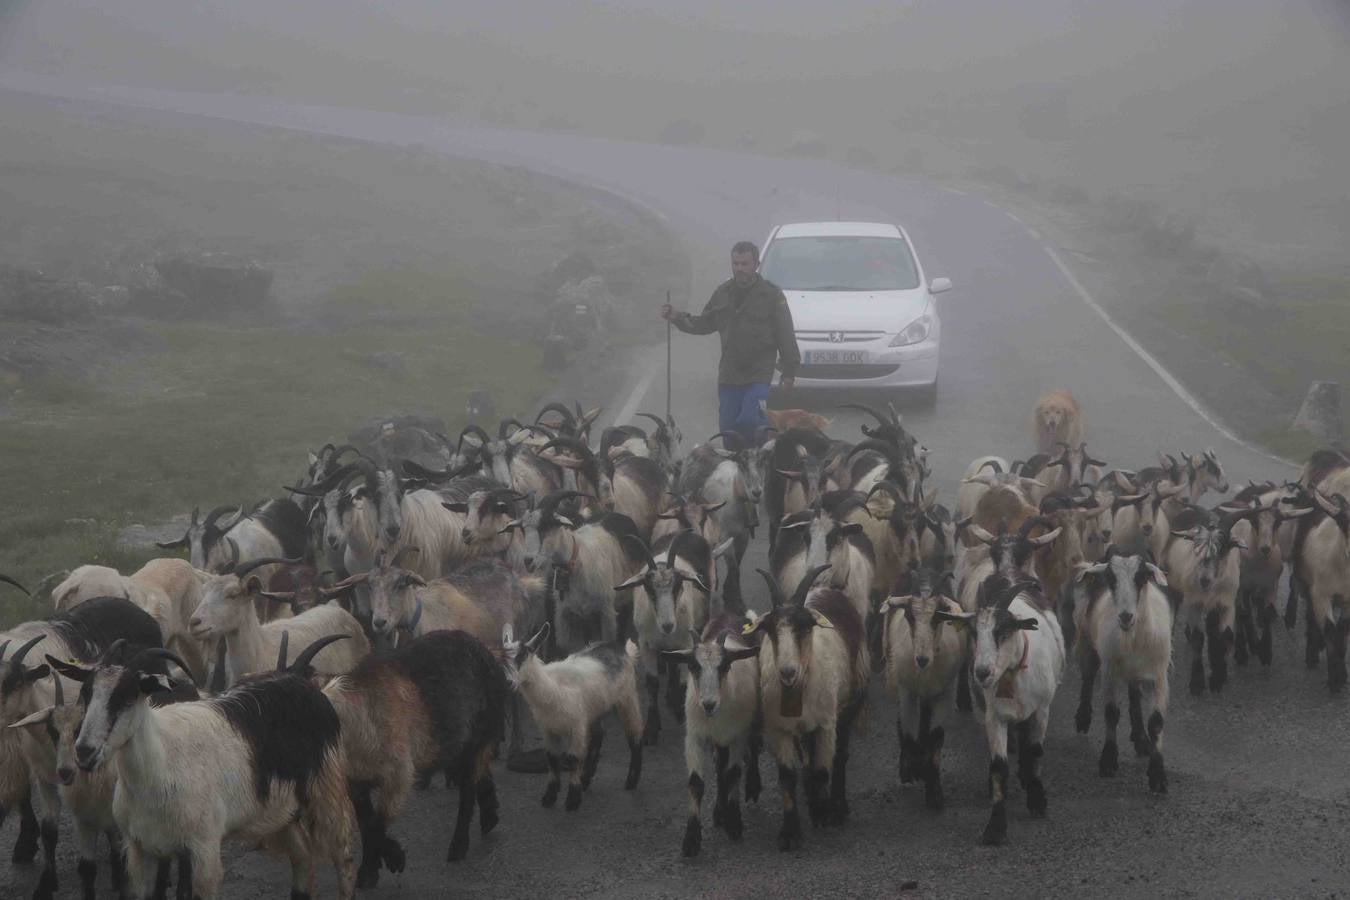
x: 227, y: 611
x: 568, y: 699
x: 1204, y: 566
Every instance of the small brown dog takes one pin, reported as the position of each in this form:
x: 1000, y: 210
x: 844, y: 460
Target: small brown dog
x: 1057, y: 420
x: 783, y: 419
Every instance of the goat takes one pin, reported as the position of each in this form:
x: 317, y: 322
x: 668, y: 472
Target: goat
x: 637, y: 485
x: 793, y: 477
x: 263, y: 759
x: 924, y: 652
x: 1125, y: 628
x: 570, y: 424
x: 1140, y: 521
x: 322, y: 464
x: 510, y: 463
x: 82, y: 633
x: 168, y: 589
x: 486, y: 515
x: 1072, y: 467
x: 1018, y: 680
x: 227, y: 611
x: 674, y: 601
x: 1203, y: 566
x: 1055, y: 562
x: 729, y: 482
x: 88, y: 795
x: 276, y: 528
x: 1326, y: 574
x: 721, y: 702
x: 15, y: 790
x: 813, y: 670
x: 583, y: 563
x: 568, y: 699
x: 1262, y: 516
x: 824, y: 535
x: 436, y: 702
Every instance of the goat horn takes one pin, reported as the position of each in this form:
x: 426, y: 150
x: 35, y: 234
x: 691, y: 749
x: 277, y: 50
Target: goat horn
x: 17, y: 658
x: 7, y: 580
x: 60, y: 691
x: 159, y: 653
x: 112, y: 652
x: 730, y: 439
x: 252, y: 564
x: 660, y: 423
x: 347, y: 583
x: 775, y: 595
x: 281, y: 652
x: 881, y: 420
x: 302, y: 661
x: 804, y: 586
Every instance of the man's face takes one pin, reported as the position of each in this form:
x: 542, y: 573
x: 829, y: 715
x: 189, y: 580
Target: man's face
x: 743, y: 267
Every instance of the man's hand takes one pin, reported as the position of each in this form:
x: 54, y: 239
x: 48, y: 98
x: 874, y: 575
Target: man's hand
x: 668, y: 312
x: 787, y: 382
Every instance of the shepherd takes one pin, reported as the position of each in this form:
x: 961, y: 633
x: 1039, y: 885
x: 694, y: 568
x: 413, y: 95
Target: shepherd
x: 753, y: 319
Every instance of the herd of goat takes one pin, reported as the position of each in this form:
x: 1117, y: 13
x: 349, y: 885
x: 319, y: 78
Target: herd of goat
x: 318, y: 655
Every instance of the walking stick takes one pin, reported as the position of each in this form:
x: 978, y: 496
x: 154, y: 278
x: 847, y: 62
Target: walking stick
x: 668, y: 330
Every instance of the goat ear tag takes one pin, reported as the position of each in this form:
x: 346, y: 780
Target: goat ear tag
x: 820, y: 619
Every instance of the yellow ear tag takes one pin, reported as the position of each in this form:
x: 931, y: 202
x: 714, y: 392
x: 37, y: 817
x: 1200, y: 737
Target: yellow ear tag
x: 821, y: 620
x: 749, y: 627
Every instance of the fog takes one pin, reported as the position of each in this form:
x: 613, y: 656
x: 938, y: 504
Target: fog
x: 1231, y: 110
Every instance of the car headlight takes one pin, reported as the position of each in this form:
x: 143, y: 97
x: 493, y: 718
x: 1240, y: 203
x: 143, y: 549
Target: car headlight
x: 914, y: 332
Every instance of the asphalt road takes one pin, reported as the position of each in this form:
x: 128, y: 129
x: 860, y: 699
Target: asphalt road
x: 1258, y: 801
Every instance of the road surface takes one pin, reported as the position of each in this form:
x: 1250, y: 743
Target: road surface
x: 1258, y: 804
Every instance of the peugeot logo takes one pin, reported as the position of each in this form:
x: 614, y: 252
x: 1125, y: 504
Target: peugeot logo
x: 836, y: 337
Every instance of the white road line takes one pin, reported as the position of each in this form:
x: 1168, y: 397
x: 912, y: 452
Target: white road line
x: 1034, y: 233
x: 1013, y: 216
x: 1167, y: 377
x: 630, y: 406
x: 952, y: 190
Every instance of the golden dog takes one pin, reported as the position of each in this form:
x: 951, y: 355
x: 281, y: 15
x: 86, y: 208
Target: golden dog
x: 1057, y: 420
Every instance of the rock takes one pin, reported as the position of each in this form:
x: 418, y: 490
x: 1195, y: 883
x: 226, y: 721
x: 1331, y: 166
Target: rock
x: 1320, y: 414
x: 34, y: 296
x: 138, y: 537
x: 205, y: 284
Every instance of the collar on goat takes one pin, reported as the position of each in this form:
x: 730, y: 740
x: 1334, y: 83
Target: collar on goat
x: 1005, y: 688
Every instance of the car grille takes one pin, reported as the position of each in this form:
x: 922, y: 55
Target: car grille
x: 845, y: 337
x: 841, y: 373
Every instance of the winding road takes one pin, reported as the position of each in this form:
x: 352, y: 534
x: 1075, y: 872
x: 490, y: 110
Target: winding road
x: 1259, y: 802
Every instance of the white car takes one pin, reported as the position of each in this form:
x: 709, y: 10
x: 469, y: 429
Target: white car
x: 863, y: 311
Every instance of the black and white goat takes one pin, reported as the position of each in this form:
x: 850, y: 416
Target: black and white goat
x: 1203, y: 562
x: 1018, y: 665
x: 262, y: 761
x: 276, y: 528
x: 1124, y: 627
x: 435, y: 703
x: 793, y: 478
x: 508, y: 461
x: 721, y: 713
x: 813, y: 671
x: 568, y: 698
x: 824, y: 535
x: 671, y: 601
x: 728, y: 481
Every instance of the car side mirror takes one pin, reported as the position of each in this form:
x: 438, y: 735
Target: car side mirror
x: 940, y: 285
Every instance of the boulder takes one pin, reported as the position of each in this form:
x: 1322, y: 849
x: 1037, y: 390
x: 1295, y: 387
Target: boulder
x: 1320, y: 414
x: 413, y: 437
x: 205, y: 285
x: 30, y: 295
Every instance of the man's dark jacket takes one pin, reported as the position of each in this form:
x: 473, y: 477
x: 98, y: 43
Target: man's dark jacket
x: 755, y: 325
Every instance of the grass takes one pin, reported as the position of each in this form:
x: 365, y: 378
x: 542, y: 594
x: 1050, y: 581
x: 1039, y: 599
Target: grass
x: 226, y: 414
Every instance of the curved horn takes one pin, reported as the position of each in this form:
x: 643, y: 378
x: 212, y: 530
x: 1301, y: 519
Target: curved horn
x: 112, y: 652
x: 804, y: 586
x: 477, y: 432
x: 347, y: 583
x: 302, y: 661
x: 60, y: 691
x: 281, y: 652
x: 881, y: 420
x: 997, y: 466
x: 7, y: 580
x: 775, y: 595
x: 159, y: 653
x: 660, y: 422
x: 17, y: 658
x: 730, y: 439
x: 252, y: 564
x: 644, y: 552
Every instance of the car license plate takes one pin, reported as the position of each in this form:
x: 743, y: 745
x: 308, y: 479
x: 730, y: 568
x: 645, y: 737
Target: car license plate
x: 835, y: 358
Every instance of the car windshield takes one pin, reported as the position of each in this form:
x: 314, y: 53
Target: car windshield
x: 840, y: 263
